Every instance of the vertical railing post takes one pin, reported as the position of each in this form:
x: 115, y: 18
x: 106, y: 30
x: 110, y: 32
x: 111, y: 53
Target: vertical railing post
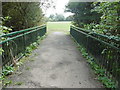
x: 24, y: 43
x: 96, y: 46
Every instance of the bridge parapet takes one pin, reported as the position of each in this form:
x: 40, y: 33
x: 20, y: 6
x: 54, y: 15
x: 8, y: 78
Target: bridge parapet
x: 106, y: 54
x: 15, y: 43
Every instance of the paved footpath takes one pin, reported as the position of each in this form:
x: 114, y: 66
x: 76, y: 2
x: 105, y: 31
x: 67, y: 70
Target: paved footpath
x: 57, y: 63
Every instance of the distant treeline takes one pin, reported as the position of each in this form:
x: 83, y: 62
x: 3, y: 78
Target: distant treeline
x: 60, y: 17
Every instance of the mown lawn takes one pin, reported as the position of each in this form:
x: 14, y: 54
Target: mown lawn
x: 58, y: 27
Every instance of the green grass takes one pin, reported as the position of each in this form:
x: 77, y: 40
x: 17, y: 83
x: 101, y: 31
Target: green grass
x: 58, y: 27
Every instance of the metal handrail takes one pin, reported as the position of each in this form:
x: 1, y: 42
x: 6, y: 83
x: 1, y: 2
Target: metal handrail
x: 88, y: 35
x: 105, y: 54
x: 93, y: 33
x: 16, y: 43
x: 22, y: 31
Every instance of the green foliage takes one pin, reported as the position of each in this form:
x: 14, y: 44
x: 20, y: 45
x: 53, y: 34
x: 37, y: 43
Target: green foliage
x: 69, y: 18
x: 52, y: 17
x: 59, y: 17
x: 7, y: 70
x: 28, y: 68
x: 4, y: 29
x: 33, y: 46
x: 6, y: 82
x: 1, y: 50
x: 82, y: 13
x: 99, y: 17
x: 23, y: 14
x: 100, y: 72
x: 2, y: 78
x: 109, y: 24
x: 110, y: 19
x: 30, y: 48
x: 56, y: 17
x: 18, y: 83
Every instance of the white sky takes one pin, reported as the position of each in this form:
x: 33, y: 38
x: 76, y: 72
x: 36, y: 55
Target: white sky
x: 60, y: 7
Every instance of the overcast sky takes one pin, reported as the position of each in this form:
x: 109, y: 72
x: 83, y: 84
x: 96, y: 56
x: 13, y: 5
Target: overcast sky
x: 60, y: 7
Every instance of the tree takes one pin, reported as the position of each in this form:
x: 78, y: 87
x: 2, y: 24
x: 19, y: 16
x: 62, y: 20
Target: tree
x: 56, y: 17
x: 24, y: 14
x: 110, y: 19
x: 59, y: 17
x: 69, y: 18
x: 82, y: 13
x: 52, y: 17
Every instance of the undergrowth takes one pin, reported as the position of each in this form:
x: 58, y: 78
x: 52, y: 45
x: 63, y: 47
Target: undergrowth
x: 33, y: 46
x: 100, y: 72
x: 8, y: 70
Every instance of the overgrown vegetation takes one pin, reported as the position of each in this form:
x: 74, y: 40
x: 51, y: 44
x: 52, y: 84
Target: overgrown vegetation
x: 24, y: 15
x: 17, y: 16
x: 21, y: 15
x: 110, y: 19
x: 82, y: 13
x: 103, y: 26
x: 33, y: 46
x: 3, y: 30
x: 99, y: 17
x: 100, y: 72
x: 8, y: 70
x: 100, y: 52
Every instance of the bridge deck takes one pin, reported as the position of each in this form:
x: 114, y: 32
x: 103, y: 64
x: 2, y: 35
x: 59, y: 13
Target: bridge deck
x: 56, y: 63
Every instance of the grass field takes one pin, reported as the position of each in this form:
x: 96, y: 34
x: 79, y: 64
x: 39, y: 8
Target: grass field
x: 58, y: 27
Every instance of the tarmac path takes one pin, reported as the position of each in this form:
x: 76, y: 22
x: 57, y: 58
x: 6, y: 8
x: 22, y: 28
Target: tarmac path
x: 57, y: 63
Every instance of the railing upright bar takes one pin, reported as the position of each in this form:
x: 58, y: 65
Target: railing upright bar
x: 18, y: 43
x: 105, y: 54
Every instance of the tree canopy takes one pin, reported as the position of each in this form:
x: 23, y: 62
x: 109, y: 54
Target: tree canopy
x: 110, y: 19
x: 82, y: 13
x: 24, y: 14
x: 100, y: 17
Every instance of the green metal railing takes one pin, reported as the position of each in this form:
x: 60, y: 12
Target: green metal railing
x: 105, y: 54
x: 15, y: 45
x: 105, y: 38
